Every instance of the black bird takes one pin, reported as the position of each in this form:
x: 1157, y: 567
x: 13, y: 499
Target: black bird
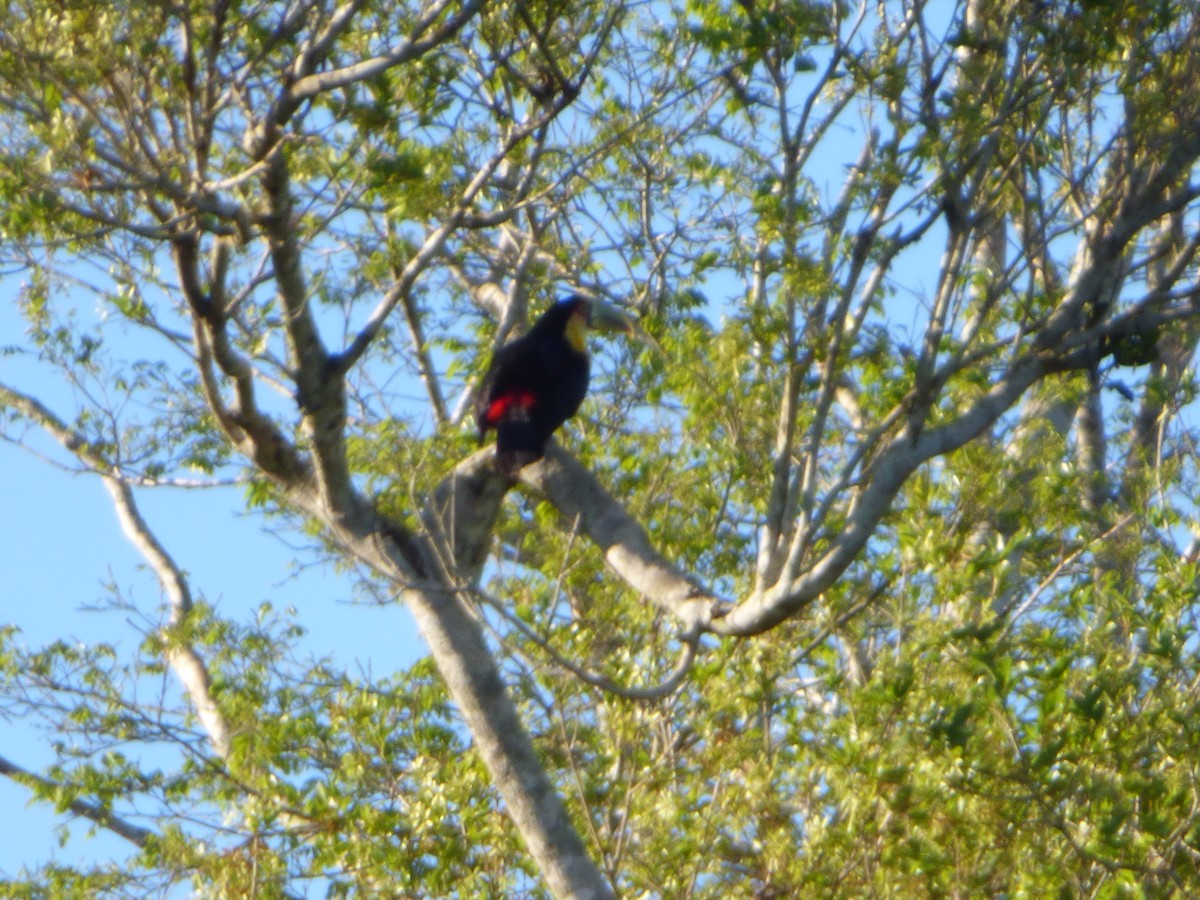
x: 537, y: 382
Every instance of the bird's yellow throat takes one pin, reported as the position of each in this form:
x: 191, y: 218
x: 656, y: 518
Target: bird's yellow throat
x: 576, y: 331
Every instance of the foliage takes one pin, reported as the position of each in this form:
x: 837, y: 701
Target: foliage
x: 925, y: 280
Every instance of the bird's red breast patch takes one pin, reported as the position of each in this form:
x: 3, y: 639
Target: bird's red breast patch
x: 516, y: 404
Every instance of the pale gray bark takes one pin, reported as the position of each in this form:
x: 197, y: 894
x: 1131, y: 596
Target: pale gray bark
x: 466, y: 663
x: 1065, y: 341
x: 435, y: 563
x: 185, y: 661
x: 433, y: 571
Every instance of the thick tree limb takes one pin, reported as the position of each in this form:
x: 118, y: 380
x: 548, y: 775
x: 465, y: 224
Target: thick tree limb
x: 456, y: 641
x: 461, y: 515
x: 433, y: 573
x: 458, y: 521
x: 578, y: 495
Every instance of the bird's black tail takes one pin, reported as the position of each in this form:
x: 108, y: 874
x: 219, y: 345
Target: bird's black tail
x: 519, y: 442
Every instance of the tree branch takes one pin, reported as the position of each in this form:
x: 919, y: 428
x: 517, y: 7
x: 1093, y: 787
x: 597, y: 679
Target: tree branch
x: 187, y: 664
x: 412, y: 47
x: 461, y: 515
x: 664, y: 688
x: 1063, y: 343
x: 580, y: 498
x: 105, y: 818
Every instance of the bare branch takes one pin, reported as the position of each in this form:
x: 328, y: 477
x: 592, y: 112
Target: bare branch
x: 187, y: 664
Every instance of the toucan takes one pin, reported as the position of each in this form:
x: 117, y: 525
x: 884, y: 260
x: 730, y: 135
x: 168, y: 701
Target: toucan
x: 537, y: 382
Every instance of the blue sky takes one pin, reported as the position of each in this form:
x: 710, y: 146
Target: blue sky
x: 62, y: 544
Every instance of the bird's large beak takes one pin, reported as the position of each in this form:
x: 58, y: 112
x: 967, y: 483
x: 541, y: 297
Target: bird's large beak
x: 605, y: 317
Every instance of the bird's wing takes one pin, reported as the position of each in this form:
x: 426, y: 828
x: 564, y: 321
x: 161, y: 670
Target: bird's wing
x: 513, y: 370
